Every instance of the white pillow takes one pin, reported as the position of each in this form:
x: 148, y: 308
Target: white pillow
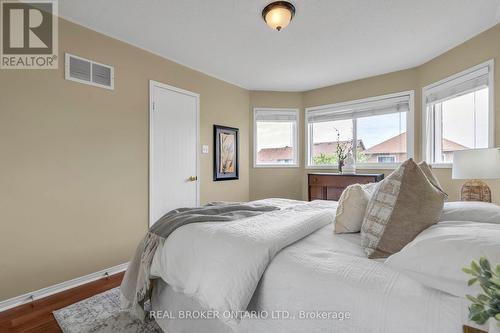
x: 352, y: 207
x: 471, y: 211
x: 436, y: 256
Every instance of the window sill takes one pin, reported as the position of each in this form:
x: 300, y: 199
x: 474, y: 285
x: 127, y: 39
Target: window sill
x: 388, y: 166
x: 441, y: 165
x: 274, y: 166
x: 318, y: 167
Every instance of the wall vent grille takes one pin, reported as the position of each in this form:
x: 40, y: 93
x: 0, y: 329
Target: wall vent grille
x: 89, y: 72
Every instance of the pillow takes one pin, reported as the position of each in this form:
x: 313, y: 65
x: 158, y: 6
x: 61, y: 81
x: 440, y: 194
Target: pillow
x: 426, y: 169
x: 352, y: 207
x: 471, y: 211
x: 436, y: 257
x: 402, y: 206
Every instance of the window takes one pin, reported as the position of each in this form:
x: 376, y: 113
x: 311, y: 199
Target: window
x: 275, y: 137
x: 373, y: 129
x: 386, y: 159
x: 458, y: 114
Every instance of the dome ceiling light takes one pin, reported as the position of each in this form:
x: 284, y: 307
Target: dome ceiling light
x: 278, y: 14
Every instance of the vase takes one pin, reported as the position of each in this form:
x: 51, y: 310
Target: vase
x: 493, y: 326
x: 349, y: 166
x: 341, y: 165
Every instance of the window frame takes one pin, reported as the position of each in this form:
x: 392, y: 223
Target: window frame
x: 450, y: 81
x: 386, y: 156
x: 410, y: 130
x: 296, y: 150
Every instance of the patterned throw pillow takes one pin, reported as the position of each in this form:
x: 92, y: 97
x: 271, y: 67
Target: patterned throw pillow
x: 403, y: 205
x: 426, y: 169
x: 352, y: 207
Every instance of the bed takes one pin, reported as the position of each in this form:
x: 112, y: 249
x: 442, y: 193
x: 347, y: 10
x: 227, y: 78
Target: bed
x: 322, y: 282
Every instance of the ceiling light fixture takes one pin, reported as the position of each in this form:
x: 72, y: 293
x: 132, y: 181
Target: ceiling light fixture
x: 278, y: 14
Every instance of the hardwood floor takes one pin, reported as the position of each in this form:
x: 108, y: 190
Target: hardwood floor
x: 37, y: 317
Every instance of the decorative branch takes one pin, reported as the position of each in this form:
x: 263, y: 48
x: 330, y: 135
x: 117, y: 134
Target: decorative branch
x: 343, y: 148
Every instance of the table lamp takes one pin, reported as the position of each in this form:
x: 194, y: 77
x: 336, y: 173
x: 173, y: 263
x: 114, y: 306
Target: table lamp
x: 474, y: 165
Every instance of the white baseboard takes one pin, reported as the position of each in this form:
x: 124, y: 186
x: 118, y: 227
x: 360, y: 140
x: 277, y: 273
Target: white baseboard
x: 57, y: 288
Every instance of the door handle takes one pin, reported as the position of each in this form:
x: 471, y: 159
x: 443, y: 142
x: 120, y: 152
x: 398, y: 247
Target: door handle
x: 193, y: 178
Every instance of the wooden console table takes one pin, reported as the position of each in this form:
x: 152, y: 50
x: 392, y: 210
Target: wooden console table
x: 329, y: 186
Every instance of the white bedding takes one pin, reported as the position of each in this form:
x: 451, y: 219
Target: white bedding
x: 328, y: 272
x: 460, y: 243
x: 220, y: 264
x: 323, y: 272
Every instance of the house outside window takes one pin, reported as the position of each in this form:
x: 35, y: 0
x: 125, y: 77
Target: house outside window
x: 372, y: 128
x: 275, y: 137
x: 458, y: 114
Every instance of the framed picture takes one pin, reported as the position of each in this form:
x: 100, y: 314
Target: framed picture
x: 225, y: 153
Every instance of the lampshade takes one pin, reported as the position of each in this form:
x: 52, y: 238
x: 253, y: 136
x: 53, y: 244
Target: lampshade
x: 476, y: 164
x: 278, y: 14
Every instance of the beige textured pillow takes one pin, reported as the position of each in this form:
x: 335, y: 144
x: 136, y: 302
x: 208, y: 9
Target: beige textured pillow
x: 427, y: 170
x: 352, y: 207
x: 403, y: 205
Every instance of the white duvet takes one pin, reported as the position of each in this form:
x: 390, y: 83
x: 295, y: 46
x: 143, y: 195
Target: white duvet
x: 221, y: 264
x: 321, y: 273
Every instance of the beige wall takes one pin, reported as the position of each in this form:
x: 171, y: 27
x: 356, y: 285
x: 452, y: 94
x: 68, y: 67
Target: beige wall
x: 74, y: 160
x: 277, y: 182
x: 477, y: 50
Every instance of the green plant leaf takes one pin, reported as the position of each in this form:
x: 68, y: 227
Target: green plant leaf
x: 483, y: 299
x: 495, y: 280
x: 487, y: 304
x: 483, y: 318
x: 476, y: 308
x: 472, y: 299
x: 475, y: 267
x: 471, y: 281
x: 479, y: 318
x: 485, y: 264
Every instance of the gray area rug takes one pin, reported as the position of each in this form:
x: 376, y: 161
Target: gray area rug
x: 101, y: 314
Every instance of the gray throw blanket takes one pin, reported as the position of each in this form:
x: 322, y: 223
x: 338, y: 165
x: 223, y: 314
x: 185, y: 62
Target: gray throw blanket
x: 136, y: 285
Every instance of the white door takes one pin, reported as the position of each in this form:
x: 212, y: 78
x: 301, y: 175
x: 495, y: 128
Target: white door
x: 173, y: 150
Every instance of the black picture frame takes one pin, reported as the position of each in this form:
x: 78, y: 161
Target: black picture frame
x: 232, y: 163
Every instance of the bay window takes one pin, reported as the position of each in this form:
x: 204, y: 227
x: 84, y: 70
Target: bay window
x: 378, y: 131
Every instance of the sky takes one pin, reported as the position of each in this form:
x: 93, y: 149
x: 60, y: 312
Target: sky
x: 458, y: 120
x: 372, y: 130
x: 273, y: 135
